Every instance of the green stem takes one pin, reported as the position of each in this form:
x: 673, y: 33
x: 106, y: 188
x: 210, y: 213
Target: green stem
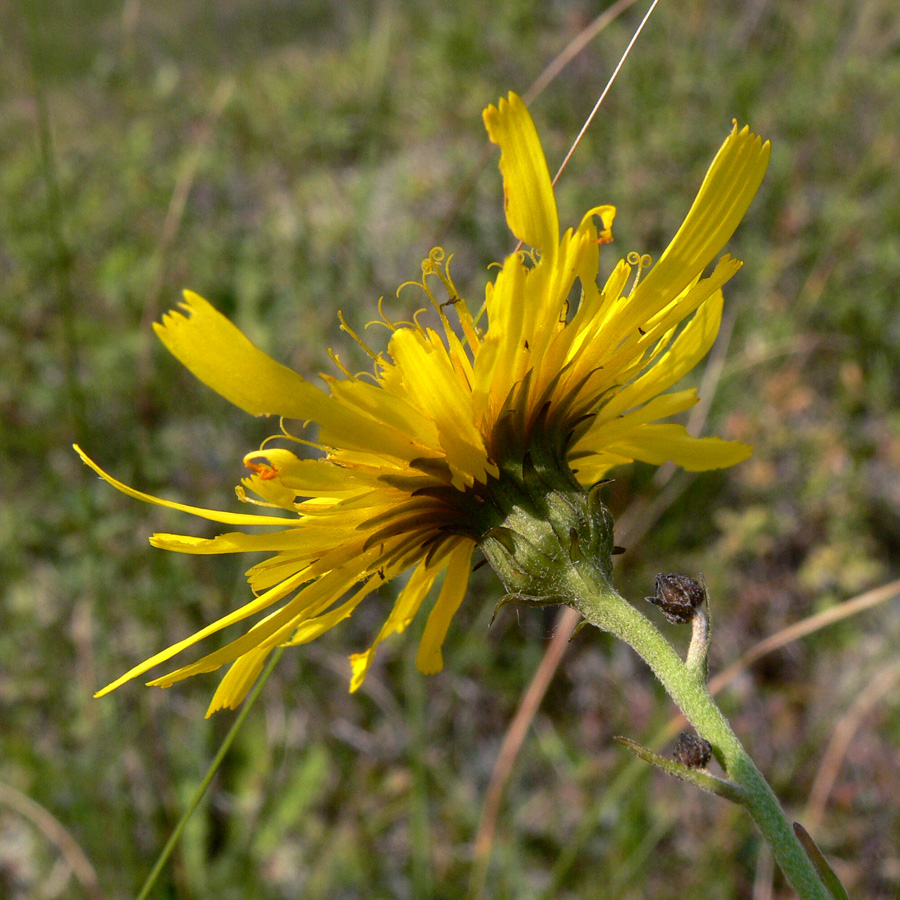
x: 603, y: 607
x: 208, y: 777
x: 420, y: 826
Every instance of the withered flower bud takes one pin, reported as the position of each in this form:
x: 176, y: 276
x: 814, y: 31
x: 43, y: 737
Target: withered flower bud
x: 692, y: 751
x: 678, y: 597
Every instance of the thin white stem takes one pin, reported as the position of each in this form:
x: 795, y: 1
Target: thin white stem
x: 609, y: 84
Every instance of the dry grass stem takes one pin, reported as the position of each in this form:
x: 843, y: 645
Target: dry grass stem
x: 56, y: 834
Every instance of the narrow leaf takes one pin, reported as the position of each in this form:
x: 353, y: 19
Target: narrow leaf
x: 703, y: 780
x: 826, y: 873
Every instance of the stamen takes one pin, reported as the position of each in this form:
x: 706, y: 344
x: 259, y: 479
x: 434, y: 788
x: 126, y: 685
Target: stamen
x: 337, y: 361
x: 392, y: 325
x: 531, y: 255
x: 435, y: 265
x: 242, y: 496
x: 431, y: 265
x: 353, y: 334
x: 467, y: 323
x: 422, y: 285
x: 418, y: 324
x: 286, y: 435
x: 642, y: 262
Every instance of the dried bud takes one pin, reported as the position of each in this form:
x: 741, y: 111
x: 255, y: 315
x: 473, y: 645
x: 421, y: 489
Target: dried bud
x: 678, y: 597
x: 692, y: 751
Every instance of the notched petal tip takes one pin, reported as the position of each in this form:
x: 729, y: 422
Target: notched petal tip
x: 765, y: 147
x: 725, y: 194
x: 527, y: 190
x: 222, y: 357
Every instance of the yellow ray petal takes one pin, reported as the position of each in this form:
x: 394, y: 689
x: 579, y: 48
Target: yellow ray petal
x: 527, y: 191
x: 274, y: 629
x: 213, y: 515
x: 597, y: 466
x: 271, y: 493
x: 248, y: 609
x: 315, y: 627
x: 685, y: 352
x: 429, y: 659
x: 655, y: 408
x: 380, y: 405
x: 629, y: 335
x: 547, y: 288
x: 234, y: 542
x: 730, y: 184
x: 502, y: 358
x: 588, y: 261
x: 304, y: 477
x: 430, y: 379
x: 238, y: 680
x: 322, y: 553
x: 220, y: 355
x: 405, y: 608
x: 606, y: 433
x: 667, y: 442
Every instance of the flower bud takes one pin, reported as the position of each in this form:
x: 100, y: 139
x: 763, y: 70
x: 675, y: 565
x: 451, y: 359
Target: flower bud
x: 678, y: 597
x: 692, y: 751
x: 548, y: 529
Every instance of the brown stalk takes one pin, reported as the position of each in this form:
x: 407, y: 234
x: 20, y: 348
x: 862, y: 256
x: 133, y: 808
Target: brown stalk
x: 56, y: 834
x: 842, y: 738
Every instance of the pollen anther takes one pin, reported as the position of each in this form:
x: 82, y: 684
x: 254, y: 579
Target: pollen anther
x: 266, y: 471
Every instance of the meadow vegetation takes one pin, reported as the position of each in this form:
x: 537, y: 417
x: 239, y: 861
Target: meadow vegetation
x: 290, y: 160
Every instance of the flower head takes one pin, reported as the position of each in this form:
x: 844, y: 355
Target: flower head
x: 423, y: 460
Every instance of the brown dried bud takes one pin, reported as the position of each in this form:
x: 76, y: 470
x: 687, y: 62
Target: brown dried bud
x: 692, y: 751
x: 678, y: 597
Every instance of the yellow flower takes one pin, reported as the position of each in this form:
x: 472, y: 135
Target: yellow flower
x: 413, y: 464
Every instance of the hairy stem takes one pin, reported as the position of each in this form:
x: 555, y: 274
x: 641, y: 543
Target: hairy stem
x: 603, y: 607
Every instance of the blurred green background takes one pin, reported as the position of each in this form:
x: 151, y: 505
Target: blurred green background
x: 288, y: 160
